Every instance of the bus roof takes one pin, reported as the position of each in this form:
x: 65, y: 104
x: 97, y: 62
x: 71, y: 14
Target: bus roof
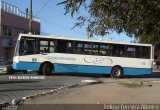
x: 76, y: 39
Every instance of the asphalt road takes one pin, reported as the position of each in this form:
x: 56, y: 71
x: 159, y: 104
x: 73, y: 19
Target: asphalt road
x: 21, y: 85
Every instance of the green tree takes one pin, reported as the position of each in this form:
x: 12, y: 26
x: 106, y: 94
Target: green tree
x: 136, y: 18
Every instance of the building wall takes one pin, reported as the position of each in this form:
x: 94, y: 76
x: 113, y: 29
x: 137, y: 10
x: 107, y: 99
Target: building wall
x: 17, y: 24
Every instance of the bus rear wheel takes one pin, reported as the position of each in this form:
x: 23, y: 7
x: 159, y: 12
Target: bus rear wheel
x: 47, y: 69
x: 117, y: 72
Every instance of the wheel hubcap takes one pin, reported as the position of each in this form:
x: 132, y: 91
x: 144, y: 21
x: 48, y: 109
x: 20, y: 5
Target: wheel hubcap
x: 48, y: 70
x: 117, y: 72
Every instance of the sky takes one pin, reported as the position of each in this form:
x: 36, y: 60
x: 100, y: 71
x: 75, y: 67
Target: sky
x: 54, y: 22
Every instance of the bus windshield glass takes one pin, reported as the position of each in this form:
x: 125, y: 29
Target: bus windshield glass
x: 27, y: 46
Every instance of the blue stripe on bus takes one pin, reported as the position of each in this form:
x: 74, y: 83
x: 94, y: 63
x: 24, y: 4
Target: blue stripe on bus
x: 81, y: 68
x: 137, y: 71
x: 26, y: 66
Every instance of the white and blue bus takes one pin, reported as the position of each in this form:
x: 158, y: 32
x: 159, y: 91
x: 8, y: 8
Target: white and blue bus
x: 54, y: 54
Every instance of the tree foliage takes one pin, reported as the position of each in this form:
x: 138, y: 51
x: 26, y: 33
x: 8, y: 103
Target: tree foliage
x: 136, y: 18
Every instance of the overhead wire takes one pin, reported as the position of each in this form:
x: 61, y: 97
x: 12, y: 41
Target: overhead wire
x: 42, y: 8
x: 45, y: 20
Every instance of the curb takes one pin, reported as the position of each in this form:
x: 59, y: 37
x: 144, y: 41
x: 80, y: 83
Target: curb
x: 139, y: 83
x: 3, y: 73
x: 5, y: 104
x: 19, y: 101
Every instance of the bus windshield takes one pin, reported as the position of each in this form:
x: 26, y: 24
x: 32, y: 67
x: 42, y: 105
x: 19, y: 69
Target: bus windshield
x: 29, y: 45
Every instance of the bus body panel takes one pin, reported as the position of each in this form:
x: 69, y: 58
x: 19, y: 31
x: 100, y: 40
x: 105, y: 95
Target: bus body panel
x: 91, y: 60
x: 59, y: 58
x: 84, y: 63
x: 81, y: 68
x: 33, y: 66
x: 137, y: 71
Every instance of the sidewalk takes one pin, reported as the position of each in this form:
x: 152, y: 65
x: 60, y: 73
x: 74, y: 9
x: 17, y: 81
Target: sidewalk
x: 104, y: 93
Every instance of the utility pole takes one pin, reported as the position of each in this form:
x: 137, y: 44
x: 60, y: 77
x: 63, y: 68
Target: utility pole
x: 88, y: 32
x: 30, y: 18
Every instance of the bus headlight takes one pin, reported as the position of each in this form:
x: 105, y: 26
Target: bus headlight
x: 15, y: 59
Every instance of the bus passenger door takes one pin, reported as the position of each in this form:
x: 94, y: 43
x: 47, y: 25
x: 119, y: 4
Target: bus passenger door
x: 61, y: 46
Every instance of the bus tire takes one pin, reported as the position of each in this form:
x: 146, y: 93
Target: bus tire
x: 47, y: 69
x: 117, y: 72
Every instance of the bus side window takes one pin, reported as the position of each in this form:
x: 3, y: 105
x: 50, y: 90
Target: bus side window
x: 46, y: 50
x: 87, y: 48
x: 60, y: 49
x: 138, y: 52
x: 52, y: 48
x: 44, y: 45
x: 131, y: 51
x: 145, y: 52
x: 61, y: 46
x: 121, y: 50
x: 70, y: 47
x: 114, y: 49
x: 78, y: 48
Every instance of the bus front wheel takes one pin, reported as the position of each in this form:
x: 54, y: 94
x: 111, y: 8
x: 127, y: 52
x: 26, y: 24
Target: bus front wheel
x: 117, y: 72
x: 47, y: 69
